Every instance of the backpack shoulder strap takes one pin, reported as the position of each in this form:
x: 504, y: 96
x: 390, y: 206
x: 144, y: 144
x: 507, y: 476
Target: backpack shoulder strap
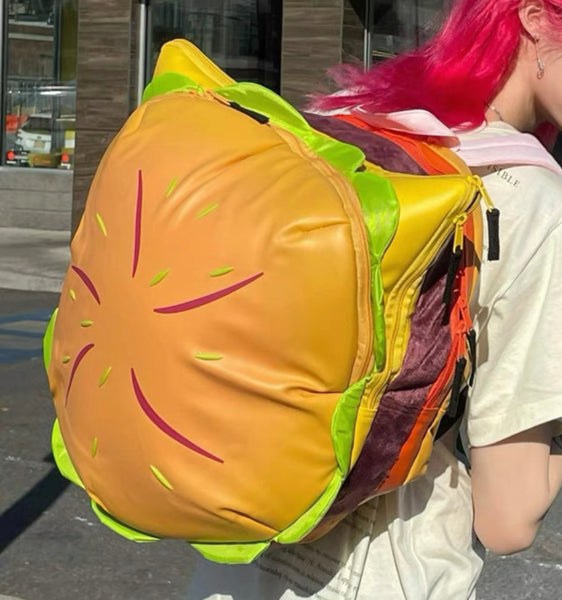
x: 515, y: 149
x: 500, y: 150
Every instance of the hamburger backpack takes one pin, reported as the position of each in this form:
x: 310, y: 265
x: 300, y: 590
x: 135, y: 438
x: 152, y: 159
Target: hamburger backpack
x: 265, y: 317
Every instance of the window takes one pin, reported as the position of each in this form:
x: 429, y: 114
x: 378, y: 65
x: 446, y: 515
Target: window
x: 242, y: 36
x: 398, y: 25
x: 39, y: 83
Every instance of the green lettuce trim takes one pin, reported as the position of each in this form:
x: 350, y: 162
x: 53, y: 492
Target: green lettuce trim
x: 380, y: 208
x: 48, y: 339
x: 381, y: 212
x: 306, y: 522
x: 169, y: 82
x: 231, y: 553
x: 119, y: 527
x: 343, y: 423
x: 246, y: 553
x: 62, y: 459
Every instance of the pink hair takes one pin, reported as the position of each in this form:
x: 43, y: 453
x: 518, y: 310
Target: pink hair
x: 453, y: 75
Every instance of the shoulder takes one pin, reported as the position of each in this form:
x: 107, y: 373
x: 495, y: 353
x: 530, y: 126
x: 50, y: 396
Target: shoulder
x: 529, y: 199
x: 503, y: 155
x: 529, y: 176
x: 527, y: 190
x: 528, y: 193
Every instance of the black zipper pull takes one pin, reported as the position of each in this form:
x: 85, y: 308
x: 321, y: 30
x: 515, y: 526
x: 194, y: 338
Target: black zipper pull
x: 455, y: 261
x: 460, y: 366
x: 454, y: 264
x: 261, y: 119
x: 493, y: 218
x: 471, y: 338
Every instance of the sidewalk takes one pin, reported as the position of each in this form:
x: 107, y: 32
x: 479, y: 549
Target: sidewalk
x: 33, y: 260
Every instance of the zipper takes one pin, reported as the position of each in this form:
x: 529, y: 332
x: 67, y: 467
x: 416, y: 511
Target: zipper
x: 379, y: 384
x: 493, y: 219
x: 456, y: 360
x: 462, y: 333
x: 471, y: 338
x: 455, y: 261
x: 466, y: 348
x: 463, y: 342
x: 463, y: 337
x: 455, y: 365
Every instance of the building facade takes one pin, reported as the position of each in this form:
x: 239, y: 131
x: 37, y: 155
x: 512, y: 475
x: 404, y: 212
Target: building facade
x: 71, y: 72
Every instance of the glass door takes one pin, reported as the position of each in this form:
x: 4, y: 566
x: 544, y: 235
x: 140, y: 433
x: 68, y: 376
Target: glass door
x: 39, y: 83
x: 242, y: 36
x: 398, y: 25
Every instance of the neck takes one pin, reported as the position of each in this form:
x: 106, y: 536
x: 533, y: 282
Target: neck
x: 515, y: 101
x: 515, y: 106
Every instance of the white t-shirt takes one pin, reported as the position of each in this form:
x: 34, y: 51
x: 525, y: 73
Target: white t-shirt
x: 417, y: 543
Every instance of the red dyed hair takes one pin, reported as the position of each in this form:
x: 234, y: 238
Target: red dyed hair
x: 453, y: 75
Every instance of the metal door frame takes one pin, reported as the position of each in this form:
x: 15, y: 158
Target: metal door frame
x: 142, y: 46
x: 3, y: 76
x: 368, y: 45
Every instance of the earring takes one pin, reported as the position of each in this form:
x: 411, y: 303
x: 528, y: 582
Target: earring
x: 540, y: 64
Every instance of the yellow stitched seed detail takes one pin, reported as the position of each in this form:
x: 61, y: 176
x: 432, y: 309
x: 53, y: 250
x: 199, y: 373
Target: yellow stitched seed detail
x: 86, y: 323
x: 94, y: 447
x: 101, y: 224
x: 104, y: 377
x: 161, y: 478
x: 221, y: 271
x: 208, y: 356
x: 171, y: 187
x: 158, y: 277
x: 72, y: 294
x: 65, y: 359
x: 207, y: 210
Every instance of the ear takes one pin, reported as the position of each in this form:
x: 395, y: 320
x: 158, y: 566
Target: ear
x: 532, y: 17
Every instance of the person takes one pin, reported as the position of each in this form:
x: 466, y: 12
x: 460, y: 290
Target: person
x: 493, y: 69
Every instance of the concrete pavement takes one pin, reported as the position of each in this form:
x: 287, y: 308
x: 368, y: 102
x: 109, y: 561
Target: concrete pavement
x: 33, y: 260
x: 51, y: 545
